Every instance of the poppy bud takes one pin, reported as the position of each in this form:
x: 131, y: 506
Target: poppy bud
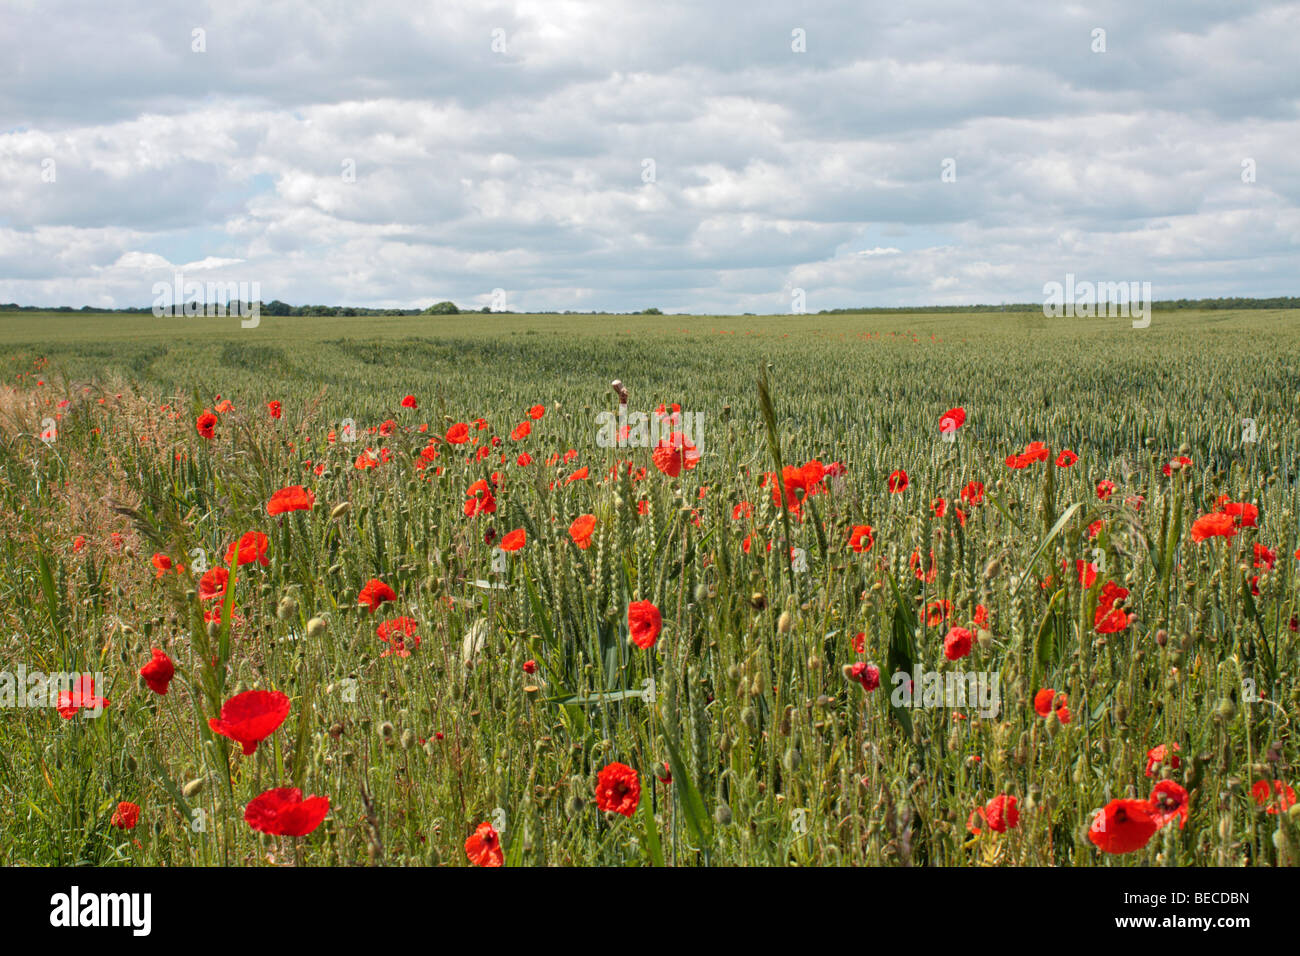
x: 287, y: 608
x: 722, y: 815
x: 340, y: 510
x: 317, y: 626
x: 386, y: 730
x: 1226, y: 709
x: 757, y: 601
x: 784, y: 623
x: 192, y: 788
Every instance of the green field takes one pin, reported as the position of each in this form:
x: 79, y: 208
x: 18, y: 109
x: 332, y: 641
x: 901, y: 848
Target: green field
x: 777, y: 755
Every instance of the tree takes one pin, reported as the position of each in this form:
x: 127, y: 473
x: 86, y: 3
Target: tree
x: 442, y: 308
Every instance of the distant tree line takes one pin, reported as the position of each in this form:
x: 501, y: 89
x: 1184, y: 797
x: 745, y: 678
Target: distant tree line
x: 276, y: 307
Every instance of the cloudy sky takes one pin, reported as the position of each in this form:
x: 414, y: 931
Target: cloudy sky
x: 619, y: 155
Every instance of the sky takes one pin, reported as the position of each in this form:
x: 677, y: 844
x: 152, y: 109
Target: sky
x: 691, y: 156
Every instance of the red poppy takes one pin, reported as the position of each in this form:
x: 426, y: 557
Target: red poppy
x: 536, y: 412
x: 860, y: 538
x: 1123, y: 826
x: 1213, y: 525
x: 1284, y: 793
x: 251, y: 547
x: 1182, y: 461
x: 514, y: 540
x: 458, y: 434
x: 581, y: 530
x: 125, y: 816
x: 1110, y: 619
x: 82, y: 696
x: 79, y: 542
x: 410, y: 402
x: 395, y: 632
x: 1048, y: 700
x: 206, y: 424
x: 162, y: 563
x: 1000, y: 815
x: 291, y: 498
x: 524, y: 460
x: 158, y: 673
x: 973, y: 492
x: 1156, y: 756
x: 1034, y: 451
x: 274, y: 409
x: 1264, y: 558
x: 483, y: 847
x: 251, y: 717
x: 644, y: 623
x: 1066, y: 458
x: 521, y: 431
x: 956, y: 644
x: 898, y: 481
x: 675, y: 453
x: 1105, y: 488
x: 283, y: 812
x: 981, y: 615
x: 374, y: 593
x: 868, y: 675
x: 1169, y: 800
x: 951, y: 420
x: 212, y: 586
x: 618, y: 789
x: 1243, y: 513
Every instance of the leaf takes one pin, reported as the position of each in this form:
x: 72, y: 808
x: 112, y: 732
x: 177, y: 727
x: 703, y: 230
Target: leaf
x: 650, y: 843
x: 698, y: 820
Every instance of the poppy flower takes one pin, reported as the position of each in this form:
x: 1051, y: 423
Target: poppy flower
x: 212, y: 586
x: 1244, y: 514
x: 291, y: 498
x: 1034, y: 451
x: 1066, y: 458
x: 973, y: 493
x: 514, y: 540
x: 1048, y: 700
x: 206, y: 424
x: 860, y: 538
x: 410, y: 402
x: 1123, y: 826
x: 79, y: 542
x: 521, y: 431
x: 536, y: 412
x: 374, y: 593
x: 125, y: 816
x: 274, y: 409
x: 1213, y: 525
x: 524, y: 460
x: 283, y: 812
x: 1169, y: 800
x: 395, y: 632
x: 1181, y: 462
x: 1156, y: 756
x: 742, y: 510
x: 1087, y: 572
x: 1110, y: 619
x: 162, y: 563
x: 158, y: 673
x: 675, y: 453
x: 483, y: 847
x: 981, y: 615
x: 956, y: 644
x: 1285, y: 795
x: 251, y: 717
x: 644, y: 623
x: 1264, y: 558
x: 581, y: 530
x: 458, y: 434
x: 868, y: 675
x: 951, y: 420
x: 1000, y: 815
x: 81, y: 696
x: 618, y: 789
x: 1105, y: 488
x: 898, y: 481
x: 251, y: 547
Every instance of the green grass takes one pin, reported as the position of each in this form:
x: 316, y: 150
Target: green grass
x: 776, y: 758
